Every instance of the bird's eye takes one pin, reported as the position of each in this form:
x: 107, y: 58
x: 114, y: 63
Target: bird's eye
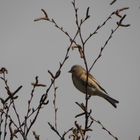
x: 74, y: 70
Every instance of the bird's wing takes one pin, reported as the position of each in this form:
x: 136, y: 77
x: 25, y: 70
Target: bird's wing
x: 93, y: 78
x: 92, y: 81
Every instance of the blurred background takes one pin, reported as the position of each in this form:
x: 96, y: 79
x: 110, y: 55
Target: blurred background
x: 29, y: 48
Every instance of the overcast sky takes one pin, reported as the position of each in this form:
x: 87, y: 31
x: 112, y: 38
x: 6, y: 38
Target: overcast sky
x: 29, y: 48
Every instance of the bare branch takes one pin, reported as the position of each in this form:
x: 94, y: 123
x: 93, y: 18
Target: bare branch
x: 111, y: 3
x: 36, y: 136
x: 107, y: 41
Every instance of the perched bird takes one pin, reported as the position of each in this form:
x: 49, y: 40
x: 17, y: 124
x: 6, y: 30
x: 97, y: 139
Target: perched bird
x: 79, y: 78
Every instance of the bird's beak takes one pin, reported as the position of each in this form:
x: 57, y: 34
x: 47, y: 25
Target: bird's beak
x: 69, y: 71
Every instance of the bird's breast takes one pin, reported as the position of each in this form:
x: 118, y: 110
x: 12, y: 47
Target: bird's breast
x: 81, y: 85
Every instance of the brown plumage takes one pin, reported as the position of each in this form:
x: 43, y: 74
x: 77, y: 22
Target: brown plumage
x: 79, y: 77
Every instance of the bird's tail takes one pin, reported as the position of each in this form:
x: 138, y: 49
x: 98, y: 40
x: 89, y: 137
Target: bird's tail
x: 110, y: 100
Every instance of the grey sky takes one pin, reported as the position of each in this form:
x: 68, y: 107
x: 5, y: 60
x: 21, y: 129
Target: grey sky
x: 30, y: 48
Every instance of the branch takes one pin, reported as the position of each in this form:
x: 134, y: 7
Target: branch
x: 111, y: 3
x: 56, y: 131
x: 55, y: 106
x: 119, y: 24
x: 116, y: 12
x: 104, y: 128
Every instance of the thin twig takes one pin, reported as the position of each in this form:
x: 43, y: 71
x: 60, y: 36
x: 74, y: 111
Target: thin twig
x: 6, y: 119
x: 85, y: 61
x: 119, y: 24
x: 55, y: 107
x: 103, y: 127
x: 46, y: 18
x: 116, y: 12
x: 111, y: 3
x: 29, y: 104
x: 56, y: 131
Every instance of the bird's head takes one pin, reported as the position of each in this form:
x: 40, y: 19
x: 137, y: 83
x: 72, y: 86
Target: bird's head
x: 76, y: 69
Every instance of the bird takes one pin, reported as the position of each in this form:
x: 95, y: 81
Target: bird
x: 91, y: 86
